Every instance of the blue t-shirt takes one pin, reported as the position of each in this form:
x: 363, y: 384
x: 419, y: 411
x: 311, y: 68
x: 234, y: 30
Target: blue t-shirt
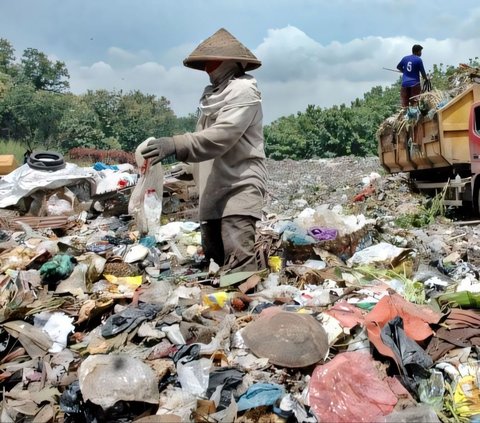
x: 412, y: 68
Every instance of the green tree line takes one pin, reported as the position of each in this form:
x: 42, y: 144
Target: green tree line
x: 37, y: 109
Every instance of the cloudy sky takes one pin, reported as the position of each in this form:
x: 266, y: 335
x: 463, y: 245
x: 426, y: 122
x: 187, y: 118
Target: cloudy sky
x: 319, y: 52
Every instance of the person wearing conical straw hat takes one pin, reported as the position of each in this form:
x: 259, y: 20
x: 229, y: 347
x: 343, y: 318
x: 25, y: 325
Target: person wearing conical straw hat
x: 226, y: 149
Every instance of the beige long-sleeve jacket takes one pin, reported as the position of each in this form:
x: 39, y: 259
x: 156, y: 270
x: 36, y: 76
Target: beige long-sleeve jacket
x: 228, y: 150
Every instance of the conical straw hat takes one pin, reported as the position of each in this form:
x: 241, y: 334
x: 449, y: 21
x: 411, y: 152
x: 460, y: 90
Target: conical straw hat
x: 221, y: 46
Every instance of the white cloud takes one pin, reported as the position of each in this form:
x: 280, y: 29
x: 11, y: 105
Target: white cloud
x: 99, y: 71
x: 288, y: 54
x: 297, y: 70
x: 180, y: 85
x: 122, y: 56
x: 176, y: 55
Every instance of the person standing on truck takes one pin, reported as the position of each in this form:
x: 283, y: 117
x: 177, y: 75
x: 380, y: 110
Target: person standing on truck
x: 411, y: 67
x: 227, y: 151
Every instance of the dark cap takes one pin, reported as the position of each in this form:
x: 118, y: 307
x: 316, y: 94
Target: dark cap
x: 416, y: 48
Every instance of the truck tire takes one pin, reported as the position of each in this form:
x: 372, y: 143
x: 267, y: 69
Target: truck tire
x: 46, y: 160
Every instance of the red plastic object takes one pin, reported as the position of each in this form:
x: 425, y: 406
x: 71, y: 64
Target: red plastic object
x: 351, y: 388
x: 416, y: 321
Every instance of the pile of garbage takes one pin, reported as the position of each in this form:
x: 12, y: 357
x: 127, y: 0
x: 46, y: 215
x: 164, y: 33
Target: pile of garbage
x: 115, y: 316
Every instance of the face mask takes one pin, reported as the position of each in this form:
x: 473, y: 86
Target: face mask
x: 224, y: 72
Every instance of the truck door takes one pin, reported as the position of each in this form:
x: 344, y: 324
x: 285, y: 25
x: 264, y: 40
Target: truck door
x: 474, y: 137
x: 474, y: 143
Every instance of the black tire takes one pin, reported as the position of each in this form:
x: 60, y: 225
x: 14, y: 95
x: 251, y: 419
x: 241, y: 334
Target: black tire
x: 46, y: 160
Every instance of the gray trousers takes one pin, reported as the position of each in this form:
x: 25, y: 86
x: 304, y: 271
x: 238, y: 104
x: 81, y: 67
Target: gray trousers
x: 230, y: 242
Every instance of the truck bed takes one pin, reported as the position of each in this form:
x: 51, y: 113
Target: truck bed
x: 431, y: 140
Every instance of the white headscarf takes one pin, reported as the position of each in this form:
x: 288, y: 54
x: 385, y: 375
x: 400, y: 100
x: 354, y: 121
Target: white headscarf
x: 223, y: 78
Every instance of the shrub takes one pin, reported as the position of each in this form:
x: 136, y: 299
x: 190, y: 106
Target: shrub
x: 104, y: 156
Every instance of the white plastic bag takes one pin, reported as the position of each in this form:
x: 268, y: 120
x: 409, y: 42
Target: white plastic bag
x: 382, y: 252
x: 151, y: 177
x: 194, y: 375
x: 152, y: 208
x: 58, y: 206
x: 108, y: 378
x: 58, y: 326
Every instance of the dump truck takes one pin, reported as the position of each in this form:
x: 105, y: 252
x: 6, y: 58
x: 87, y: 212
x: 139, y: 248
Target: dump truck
x: 438, y: 145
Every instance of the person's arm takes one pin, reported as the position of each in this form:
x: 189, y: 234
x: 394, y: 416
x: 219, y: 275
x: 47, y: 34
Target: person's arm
x: 422, y: 71
x: 216, y: 140
x: 400, y: 66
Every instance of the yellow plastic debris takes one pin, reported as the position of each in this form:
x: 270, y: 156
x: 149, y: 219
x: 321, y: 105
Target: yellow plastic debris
x: 275, y: 263
x: 124, y: 280
x: 216, y: 299
x: 467, y: 397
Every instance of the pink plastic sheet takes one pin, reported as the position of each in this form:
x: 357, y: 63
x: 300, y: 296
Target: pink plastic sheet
x: 347, y: 314
x: 351, y: 388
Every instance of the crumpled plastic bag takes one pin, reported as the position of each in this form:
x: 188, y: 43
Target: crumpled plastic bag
x: 291, y: 406
x: 70, y: 400
x: 57, y: 326
x: 151, y: 177
x: 322, y: 234
x: 176, y: 402
x: 351, y: 388
x: 194, y: 375
x: 381, y: 253
x: 420, y: 414
x: 293, y: 233
x: 225, y: 380
x: 260, y: 394
x: 59, y: 267
x: 323, y: 216
x: 412, y: 360
x: 467, y: 392
x: 416, y: 321
x: 58, y: 206
x: 108, y: 378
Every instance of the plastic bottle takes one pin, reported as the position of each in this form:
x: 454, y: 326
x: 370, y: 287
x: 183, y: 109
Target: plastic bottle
x: 152, y: 206
x: 431, y: 390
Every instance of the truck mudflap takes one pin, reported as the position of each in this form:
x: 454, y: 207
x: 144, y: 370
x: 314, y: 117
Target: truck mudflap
x: 458, y: 191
